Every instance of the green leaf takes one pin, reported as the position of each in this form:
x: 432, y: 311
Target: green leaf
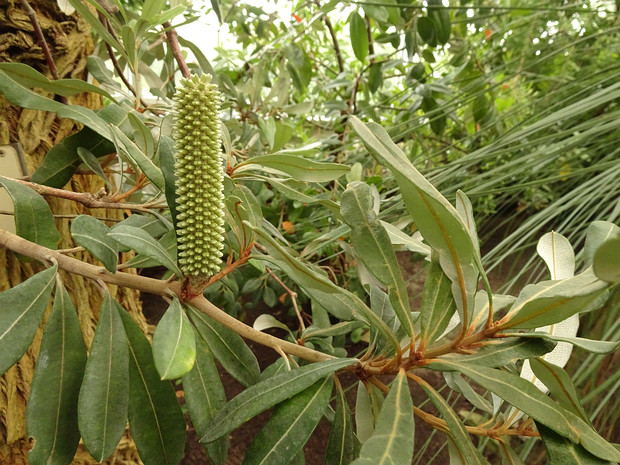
x: 499, y: 355
x: 359, y: 36
x: 152, y: 7
x: 142, y: 242
x: 597, y: 347
x: 168, y: 241
x: 104, y: 395
x: 34, y: 220
x: 23, y: 307
x: 598, y: 232
x: 606, y: 263
x: 91, y: 234
x: 290, y: 426
x: 441, y: 18
x: 299, y: 168
x: 341, y: 443
x: 90, y: 160
x: 560, y: 386
x: 427, y: 30
x: 267, y: 393
x: 227, y: 346
x: 529, y: 399
x: 204, y: 397
x: 435, y: 217
x: 561, y: 451
x: 456, y: 429
x: 375, y: 77
x: 438, y: 304
x: 31, y: 78
x: 372, y: 241
x: 51, y: 412
x: 174, y: 347
x: 155, y: 417
x: 142, y: 135
x: 393, y: 439
x: 550, y: 302
x: 165, y: 155
x: 458, y: 384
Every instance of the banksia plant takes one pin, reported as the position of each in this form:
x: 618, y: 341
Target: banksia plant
x: 199, y: 178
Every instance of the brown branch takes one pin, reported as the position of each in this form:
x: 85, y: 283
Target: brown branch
x: 332, y: 33
x: 173, y: 41
x: 32, y: 16
x: 157, y: 287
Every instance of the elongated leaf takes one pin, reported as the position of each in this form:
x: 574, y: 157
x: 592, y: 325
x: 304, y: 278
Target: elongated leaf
x: 561, y: 451
x: 365, y: 413
x: 435, y: 217
x: 597, y: 347
x: 527, y: 398
x: 560, y: 386
x: 550, y: 302
x: 34, y: 220
x: 267, y: 393
x: 104, y: 395
x: 598, y: 232
x: 204, y: 397
x: 227, y: 347
x: 90, y: 160
x: 290, y: 426
x: 502, y: 354
x: 438, y: 304
x: 23, y: 307
x: 92, y: 234
x: 165, y: 155
x: 466, y: 449
x: 392, y: 440
x: 155, y: 417
x: 341, y: 443
x: 141, y: 241
x: 168, y: 241
x: 174, y: 347
x: 372, y: 241
x: 412, y: 244
x: 458, y: 384
x: 606, y: 263
x: 29, y: 77
x: 359, y: 36
x: 299, y: 168
x: 558, y: 254
x: 51, y: 412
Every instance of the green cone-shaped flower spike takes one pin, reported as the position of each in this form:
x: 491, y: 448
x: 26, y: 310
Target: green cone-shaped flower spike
x: 199, y: 170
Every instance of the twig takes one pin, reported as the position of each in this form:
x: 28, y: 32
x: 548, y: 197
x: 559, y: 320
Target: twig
x: 32, y: 16
x: 157, y: 287
x: 173, y: 41
x: 332, y: 33
x: 293, y: 296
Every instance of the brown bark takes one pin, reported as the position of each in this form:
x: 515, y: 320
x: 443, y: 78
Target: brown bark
x: 70, y: 43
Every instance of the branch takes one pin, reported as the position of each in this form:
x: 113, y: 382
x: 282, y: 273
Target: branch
x: 157, y: 287
x: 32, y: 15
x: 173, y: 41
x: 332, y: 33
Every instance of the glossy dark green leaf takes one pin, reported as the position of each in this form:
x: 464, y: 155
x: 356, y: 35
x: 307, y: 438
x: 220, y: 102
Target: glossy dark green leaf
x: 434, y: 216
x: 290, y: 426
x: 606, y: 263
x: 427, y: 30
x: 498, y: 355
x: 165, y: 154
x: 155, y: 418
x: 550, y: 302
x: 359, y: 36
x: 51, y: 412
x: 297, y: 167
x: 438, y: 304
x: 441, y: 18
x: 371, y: 239
x: 393, y: 438
x: 560, y: 386
x: 31, y: 78
x: 529, y: 399
x: 142, y: 242
x: 34, y: 220
x: 341, y: 443
x: 267, y: 393
x: 227, y: 347
x: 561, y: 451
x: 104, y: 395
x: 91, y: 234
x: 23, y: 307
x: 375, y: 77
x: 174, y: 347
x: 456, y: 429
x: 204, y: 397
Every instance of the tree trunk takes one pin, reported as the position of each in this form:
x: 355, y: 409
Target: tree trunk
x: 69, y: 40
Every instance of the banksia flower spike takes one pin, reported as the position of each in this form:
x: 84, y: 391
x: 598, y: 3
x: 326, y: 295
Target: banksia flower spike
x: 200, y: 176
